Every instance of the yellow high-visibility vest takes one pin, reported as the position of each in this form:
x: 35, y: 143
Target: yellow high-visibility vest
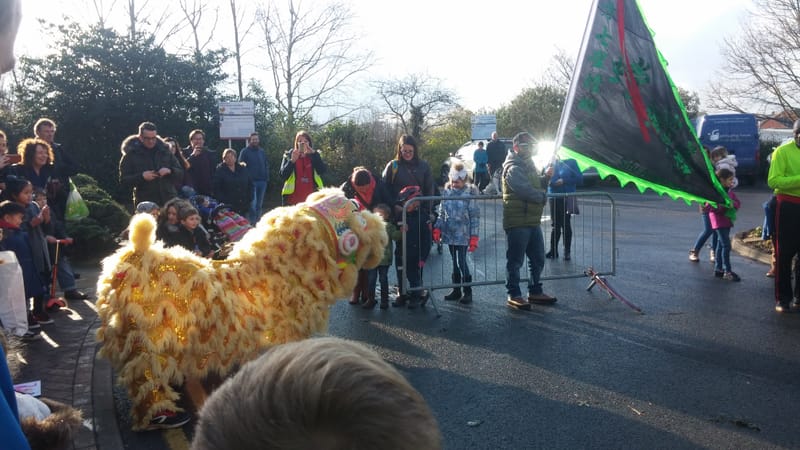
x: 288, y: 186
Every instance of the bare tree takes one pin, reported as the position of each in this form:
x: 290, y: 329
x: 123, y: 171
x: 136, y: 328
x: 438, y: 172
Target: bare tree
x: 418, y: 102
x: 142, y: 15
x: 762, y: 72
x: 133, y: 16
x: 239, y: 23
x: 103, y: 12
x: 559, y: 72
x: 691, y: 102
x: 312, y: 56
x: 193, y: 11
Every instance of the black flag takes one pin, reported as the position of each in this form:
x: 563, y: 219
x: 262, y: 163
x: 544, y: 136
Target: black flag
x: 623, y: 115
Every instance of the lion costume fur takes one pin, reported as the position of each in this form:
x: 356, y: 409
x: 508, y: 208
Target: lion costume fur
x: 168, y: 315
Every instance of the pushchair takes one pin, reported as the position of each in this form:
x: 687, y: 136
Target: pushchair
x: 224, y: 225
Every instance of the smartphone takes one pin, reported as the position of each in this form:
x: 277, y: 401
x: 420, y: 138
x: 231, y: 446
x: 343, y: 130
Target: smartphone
x: 14, y: 158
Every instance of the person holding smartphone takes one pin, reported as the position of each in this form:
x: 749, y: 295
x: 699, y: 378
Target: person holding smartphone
x: 202, y: 163
x: 6, y: 160
x: 301, y: 170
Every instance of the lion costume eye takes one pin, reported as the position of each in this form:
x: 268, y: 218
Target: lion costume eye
x: 348, y: 243
x: 362, y: 221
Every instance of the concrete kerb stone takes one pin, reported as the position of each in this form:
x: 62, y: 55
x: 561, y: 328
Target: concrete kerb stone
x: 738, y: 245
x: 105, y: 415
x: 92, y: 387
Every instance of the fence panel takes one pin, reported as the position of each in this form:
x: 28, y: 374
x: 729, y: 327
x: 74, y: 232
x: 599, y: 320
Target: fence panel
x: 593, y: 243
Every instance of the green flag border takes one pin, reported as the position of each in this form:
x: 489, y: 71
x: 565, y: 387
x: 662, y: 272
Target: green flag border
x: 641, y: 184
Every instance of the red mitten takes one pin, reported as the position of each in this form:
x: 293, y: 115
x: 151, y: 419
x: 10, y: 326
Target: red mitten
x: 437, y: 235
x: 473, y: 243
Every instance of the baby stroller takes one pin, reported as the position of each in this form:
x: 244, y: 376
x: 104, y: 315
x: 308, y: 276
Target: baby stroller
x: 224, y: 225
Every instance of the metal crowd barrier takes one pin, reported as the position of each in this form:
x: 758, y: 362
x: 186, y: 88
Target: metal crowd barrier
x: 593, y: 249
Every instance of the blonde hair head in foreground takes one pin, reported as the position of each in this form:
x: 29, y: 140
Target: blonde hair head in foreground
x: 323, y: 393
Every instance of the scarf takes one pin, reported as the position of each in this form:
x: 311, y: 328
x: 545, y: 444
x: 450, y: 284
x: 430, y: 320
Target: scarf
x: 365, y: 199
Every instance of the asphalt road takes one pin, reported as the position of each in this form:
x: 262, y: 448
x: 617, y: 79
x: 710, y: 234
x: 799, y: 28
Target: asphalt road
x: 708, y: 365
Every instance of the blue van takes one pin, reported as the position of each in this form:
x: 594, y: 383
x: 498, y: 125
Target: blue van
x: 736, y: 132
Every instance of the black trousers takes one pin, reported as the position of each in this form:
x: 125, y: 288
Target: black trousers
x: 787, y: 245
x: 560, y: 221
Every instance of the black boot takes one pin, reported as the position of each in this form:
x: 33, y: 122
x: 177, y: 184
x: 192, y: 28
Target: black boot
x: 401, y: 300
x: 455, y: 293
x: 370, y: 303
x: 553, y: 253
x: 384, y: 299
x: 424, y: 294
x: 39, y: 312
x: 414, y: 300
x: 567, y: 255
x: 467, y: 298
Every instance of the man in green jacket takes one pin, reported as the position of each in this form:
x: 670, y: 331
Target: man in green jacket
x: 784, y: 178
x: 523, y: 201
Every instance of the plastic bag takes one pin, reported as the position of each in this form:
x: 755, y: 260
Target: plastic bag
x: 76, y: 206
x: 13, y: 308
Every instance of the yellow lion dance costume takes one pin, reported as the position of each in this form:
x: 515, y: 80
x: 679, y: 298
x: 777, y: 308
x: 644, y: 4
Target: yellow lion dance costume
x: 167, y: 314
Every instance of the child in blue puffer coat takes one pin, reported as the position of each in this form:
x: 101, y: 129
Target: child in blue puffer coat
x: 457, y: 226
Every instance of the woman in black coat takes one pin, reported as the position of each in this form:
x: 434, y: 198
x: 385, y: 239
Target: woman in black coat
x: 232, y: 183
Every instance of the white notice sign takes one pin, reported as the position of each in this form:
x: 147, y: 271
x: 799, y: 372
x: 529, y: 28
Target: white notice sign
x: 236, y: 127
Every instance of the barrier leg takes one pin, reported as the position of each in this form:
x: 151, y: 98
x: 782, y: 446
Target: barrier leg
x: 601, y: 281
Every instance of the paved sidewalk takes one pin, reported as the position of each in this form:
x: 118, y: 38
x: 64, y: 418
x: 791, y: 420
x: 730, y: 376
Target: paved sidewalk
x: 64, y: 361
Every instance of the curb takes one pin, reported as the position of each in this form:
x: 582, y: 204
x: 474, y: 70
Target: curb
x: 106, y: 429
x: 742, y: 249
x: 106, y: 432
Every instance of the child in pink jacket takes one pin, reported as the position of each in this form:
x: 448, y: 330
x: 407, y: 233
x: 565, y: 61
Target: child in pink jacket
x: 722, y: 222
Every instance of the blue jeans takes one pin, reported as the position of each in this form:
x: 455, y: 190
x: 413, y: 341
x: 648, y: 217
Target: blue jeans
x: 64, y: 273
x: 522, y: 242
x: 722, y: 252
x: 459, y: 255
x: 257, y: 199
x: 704, y: 235
x: 380, y: 273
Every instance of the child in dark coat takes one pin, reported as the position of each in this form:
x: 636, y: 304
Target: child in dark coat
x: 190, y: 235
x: 14, y: 239
x: 382, y: 271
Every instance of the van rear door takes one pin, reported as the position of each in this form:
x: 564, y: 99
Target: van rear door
x: 736, y: 132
